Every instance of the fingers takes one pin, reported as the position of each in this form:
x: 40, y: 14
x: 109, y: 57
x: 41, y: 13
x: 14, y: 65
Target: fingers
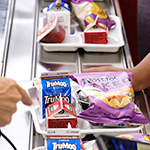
x: 103, y: 69
x: 6, y: 111
x: 94, y: 69
x: 10, y: 94
x: 25, y: 97
x: 97, y: 69
x: 15, y: 92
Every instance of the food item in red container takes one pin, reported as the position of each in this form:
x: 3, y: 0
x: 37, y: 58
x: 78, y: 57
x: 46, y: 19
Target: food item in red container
x: 52, y: 33
x: 57, y: 35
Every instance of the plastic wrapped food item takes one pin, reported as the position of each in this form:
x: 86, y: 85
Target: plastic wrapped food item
x: 87, y: 11
x: 52, y: 33
x: 111, y: 98
x: 136, y: 136
x: 57, y: 35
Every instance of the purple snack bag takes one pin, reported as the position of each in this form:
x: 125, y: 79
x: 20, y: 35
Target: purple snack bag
x: 112, y: 98
x: 136, y: 136
x: 87, y: 11
x: 110, y: 23
x: 100, y: 112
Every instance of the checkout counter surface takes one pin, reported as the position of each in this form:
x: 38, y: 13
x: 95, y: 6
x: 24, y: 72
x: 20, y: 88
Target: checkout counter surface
x: 26, y: 59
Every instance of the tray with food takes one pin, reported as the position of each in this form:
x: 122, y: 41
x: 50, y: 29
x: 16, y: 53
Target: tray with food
x: 69, y: 26
x: 94, y: 103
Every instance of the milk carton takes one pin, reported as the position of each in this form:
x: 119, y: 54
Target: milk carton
x: 52, y: 87
x: 62, y: 11
x: 60, y: 114
x: 95, y: 33
x: 63, y: 142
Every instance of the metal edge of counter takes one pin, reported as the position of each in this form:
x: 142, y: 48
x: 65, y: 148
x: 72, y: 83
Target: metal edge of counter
x: 6, y: 51
x: 7, y: 35
x: 33, y: 68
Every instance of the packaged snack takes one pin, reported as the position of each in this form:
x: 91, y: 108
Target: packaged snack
x: 87, y: 10
x: 136, y: 136
x: 111, y: 98
x: 52, y: 33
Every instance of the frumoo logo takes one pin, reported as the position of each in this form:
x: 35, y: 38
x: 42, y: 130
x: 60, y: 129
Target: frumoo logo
x: 55, y: 83
x: 64, y: 146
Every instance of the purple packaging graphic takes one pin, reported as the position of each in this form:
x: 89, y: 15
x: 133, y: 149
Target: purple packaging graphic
x: 136, y: 136
x: 111, y: 98
x: 87, y: 11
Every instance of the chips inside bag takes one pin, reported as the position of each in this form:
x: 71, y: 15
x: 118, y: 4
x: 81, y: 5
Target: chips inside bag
x: 111, y: 98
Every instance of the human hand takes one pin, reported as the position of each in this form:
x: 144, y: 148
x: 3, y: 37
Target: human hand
x: 104, y: 69
x: 10, y: 94
x: 138, y: 81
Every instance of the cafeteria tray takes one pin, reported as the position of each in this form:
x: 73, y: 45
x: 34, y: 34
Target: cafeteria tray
x: 41, y: 129
x: 74, y: 41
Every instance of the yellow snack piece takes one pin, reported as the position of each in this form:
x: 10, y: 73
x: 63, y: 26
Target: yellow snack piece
x: 89, y: 19
x: 114, y: 103
x: 125, y: 101
x: 95, y: 9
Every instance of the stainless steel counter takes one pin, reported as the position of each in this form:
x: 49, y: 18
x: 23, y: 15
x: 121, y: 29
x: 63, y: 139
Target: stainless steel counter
x: 26, y: 59
x: 16, y: 59
x: 6, y: 17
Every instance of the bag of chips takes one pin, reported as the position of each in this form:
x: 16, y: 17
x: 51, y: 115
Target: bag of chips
x: 111, y: 98
x: 86, y: 12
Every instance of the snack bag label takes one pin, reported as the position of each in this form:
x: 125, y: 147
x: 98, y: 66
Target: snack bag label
x: 63, y: 144
x: 54, y: 89
x: 111, y: 98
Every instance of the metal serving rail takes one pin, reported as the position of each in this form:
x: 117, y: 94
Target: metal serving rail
x: 26, y: 59
x: 6, y: 16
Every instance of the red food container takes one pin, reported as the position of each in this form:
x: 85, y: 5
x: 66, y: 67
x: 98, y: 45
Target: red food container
x: 52, y: 33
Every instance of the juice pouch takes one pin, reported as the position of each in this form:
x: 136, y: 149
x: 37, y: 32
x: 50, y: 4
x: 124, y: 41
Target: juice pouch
x: 87, y: 10
x: 111, y: 98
